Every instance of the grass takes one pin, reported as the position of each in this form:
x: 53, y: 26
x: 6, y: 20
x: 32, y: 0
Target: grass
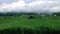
x: 23, y: 25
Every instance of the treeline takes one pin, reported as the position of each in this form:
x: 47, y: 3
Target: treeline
x: 16, y: 14
x: 23, y: 13
x: 56, y: 14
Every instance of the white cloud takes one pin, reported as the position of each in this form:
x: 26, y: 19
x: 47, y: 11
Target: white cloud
x: 12, y: 6
x: 38, y: 5
x: 55, y: 9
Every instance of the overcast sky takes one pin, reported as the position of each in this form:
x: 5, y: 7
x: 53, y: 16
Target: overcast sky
x: 29, y: 5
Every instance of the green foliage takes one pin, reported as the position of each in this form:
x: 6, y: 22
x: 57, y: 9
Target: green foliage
x: 56, y: 13
x: 39, y: 30
x: 8, y: 22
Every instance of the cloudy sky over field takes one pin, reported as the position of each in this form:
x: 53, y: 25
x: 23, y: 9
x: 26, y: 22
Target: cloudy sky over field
x: 29, y: 5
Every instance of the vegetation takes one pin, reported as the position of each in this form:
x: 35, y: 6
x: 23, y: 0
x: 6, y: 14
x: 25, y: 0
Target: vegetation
x: 23, y: 25
x: 56, y: 13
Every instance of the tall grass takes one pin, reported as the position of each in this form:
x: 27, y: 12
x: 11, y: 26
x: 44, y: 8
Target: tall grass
x: 39, y: 30
x: 23, y: 25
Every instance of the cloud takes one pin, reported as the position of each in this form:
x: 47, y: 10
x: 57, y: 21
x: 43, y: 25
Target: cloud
x: 31, y: 6
x: 7, y: 1
x: 55, y: 9
x: 43, y: 5
x: 12, y: 6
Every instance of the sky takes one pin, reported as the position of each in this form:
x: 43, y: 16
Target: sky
x: 30, y: 5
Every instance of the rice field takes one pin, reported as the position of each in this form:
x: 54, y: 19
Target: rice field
x: 23, y: 25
